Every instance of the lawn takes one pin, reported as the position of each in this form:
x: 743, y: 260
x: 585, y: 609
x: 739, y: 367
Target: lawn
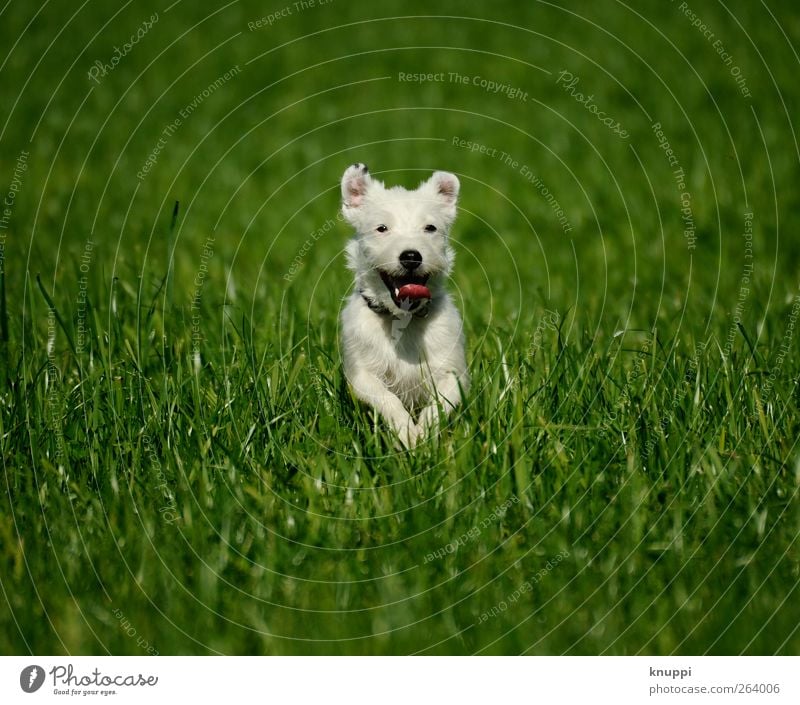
x: 184, y: 468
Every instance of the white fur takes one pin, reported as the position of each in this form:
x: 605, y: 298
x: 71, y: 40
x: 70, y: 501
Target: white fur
x: 397, y: 362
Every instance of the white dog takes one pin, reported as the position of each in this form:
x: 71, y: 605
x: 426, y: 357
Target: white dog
x: 402, y: 337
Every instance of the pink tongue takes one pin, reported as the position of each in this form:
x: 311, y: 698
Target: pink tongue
x: 414, y: 292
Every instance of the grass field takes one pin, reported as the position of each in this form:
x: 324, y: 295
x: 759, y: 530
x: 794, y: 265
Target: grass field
x: 184, y: 469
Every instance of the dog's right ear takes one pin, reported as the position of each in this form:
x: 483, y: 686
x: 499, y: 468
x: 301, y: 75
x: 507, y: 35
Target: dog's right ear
x: 355, y: 183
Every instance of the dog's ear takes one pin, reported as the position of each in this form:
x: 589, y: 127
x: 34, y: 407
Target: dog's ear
x: 446, y: 186
x: 355, y: 183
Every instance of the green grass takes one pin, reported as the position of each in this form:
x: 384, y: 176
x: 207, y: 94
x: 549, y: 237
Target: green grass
x: 184, y: 469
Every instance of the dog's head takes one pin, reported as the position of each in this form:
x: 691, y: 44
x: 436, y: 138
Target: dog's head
x: 400, y: 254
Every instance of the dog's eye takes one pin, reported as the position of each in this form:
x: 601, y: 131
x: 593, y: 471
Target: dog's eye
x: 381, y: 228
x: 430, y: 228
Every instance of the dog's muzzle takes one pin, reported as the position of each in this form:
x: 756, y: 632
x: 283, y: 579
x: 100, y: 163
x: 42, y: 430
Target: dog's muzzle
x: 408, y: 290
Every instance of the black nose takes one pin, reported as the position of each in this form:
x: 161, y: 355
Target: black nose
x: 410, y: 259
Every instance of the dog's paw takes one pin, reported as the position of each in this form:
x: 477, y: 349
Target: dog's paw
x: 408, y: 437
x: 428, y: 420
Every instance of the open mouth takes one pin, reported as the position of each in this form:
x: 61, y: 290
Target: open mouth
x: 408, y: 291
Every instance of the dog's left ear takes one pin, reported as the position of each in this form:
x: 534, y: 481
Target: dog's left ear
x: 355, y: 182
x: 445, y: 186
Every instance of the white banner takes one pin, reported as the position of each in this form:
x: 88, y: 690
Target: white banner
x: 417, y: 680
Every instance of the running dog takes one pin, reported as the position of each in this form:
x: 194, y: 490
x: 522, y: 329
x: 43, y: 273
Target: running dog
x: 402, y: 336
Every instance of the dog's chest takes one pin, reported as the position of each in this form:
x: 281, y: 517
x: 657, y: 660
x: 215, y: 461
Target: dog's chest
x: 406, y: 356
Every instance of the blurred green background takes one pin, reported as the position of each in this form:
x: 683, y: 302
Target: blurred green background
x: 178, y: 445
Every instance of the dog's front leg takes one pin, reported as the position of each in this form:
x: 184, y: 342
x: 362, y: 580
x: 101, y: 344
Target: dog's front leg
x: 447, y: 394
x: 374, y: 392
